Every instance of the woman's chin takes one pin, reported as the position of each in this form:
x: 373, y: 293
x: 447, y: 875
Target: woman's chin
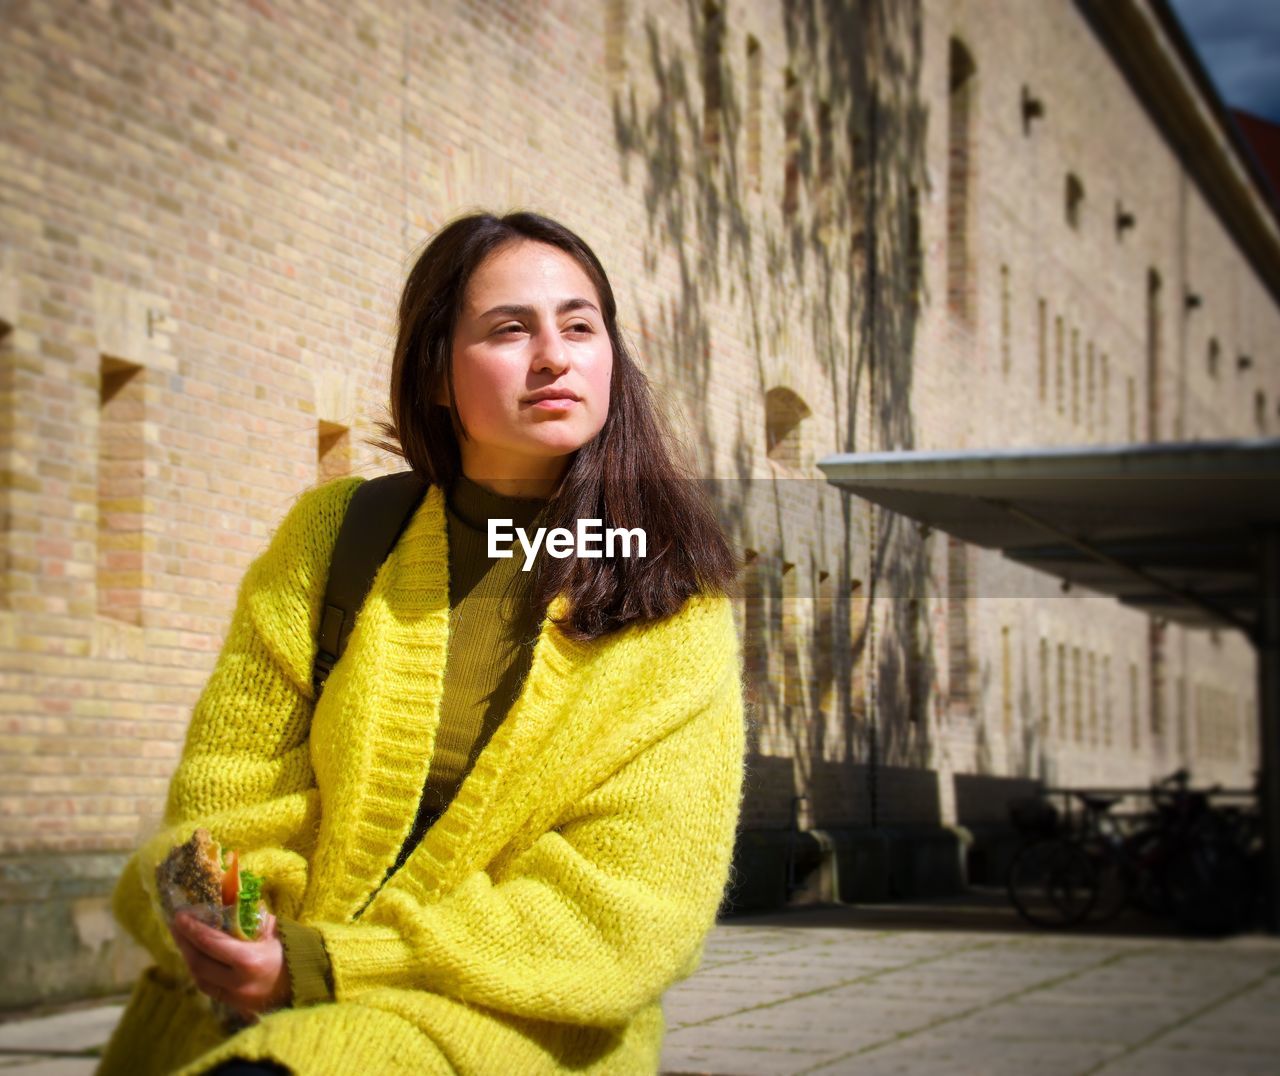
x: 552, y: 447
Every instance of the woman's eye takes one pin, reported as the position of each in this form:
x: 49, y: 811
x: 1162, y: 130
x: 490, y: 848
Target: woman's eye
x: 581, y: 327
x: 512, y: 328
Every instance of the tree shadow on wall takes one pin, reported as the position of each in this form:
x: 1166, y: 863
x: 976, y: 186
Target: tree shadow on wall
x: 841, y: 260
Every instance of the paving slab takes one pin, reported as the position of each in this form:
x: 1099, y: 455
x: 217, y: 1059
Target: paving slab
x: 54, y: 1066
x: 741, y: 1032
x: 1029, y: 1020
x: 1166, y: 1062
x: 940, y: 1058
x: 740, y: 1062
x: 69, y: 1032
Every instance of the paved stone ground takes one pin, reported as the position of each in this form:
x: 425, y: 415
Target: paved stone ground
x: 953, y: 987
x: 64, y: 1044
x: 960, y: 987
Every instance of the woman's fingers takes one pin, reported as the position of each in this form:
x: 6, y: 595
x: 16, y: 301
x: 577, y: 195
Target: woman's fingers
x: 216, y: 960
x: 247, y: 975
x: 207, y: 972
x: 212, y: 942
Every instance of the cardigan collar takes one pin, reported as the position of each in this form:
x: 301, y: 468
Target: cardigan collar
x: 382, y: 705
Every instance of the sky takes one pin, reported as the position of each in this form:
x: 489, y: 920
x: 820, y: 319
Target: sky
x: 1239, y: 44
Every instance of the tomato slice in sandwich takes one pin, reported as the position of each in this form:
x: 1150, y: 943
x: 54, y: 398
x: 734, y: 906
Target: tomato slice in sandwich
x: 231, y: 880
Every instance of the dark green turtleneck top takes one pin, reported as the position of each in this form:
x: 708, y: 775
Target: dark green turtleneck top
x: 492, y: 631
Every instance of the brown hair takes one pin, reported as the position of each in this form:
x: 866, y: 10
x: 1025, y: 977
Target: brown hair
x: 625, y: 476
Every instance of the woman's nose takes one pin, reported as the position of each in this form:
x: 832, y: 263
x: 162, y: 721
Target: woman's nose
x: 549, y: 350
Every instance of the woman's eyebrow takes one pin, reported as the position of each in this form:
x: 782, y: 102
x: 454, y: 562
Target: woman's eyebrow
x: 515, y: 310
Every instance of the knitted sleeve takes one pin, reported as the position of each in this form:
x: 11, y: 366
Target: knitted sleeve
x: 600, y: 915
x: 245, y: 771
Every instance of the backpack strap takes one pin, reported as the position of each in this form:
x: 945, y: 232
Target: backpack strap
x: 376, y: 516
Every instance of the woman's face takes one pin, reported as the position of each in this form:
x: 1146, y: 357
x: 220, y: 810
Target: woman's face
x: 530, y: 322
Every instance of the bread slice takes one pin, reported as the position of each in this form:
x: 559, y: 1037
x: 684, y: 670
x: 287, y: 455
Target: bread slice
x: 191, y: 874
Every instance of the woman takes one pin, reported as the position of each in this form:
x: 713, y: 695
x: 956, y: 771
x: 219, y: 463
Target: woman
x: 505, y: 828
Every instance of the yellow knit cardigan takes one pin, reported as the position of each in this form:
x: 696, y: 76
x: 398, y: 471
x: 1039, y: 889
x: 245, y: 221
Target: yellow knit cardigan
x: 571, y: 881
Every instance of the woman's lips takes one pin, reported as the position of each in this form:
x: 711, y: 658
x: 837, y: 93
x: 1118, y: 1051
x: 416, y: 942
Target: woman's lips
x: 557, y: 403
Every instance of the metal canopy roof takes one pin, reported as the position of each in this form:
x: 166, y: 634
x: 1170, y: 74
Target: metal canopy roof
x: 1172, y: 529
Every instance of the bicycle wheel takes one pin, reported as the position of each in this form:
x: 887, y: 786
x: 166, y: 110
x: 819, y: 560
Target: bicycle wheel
x: 1209, y: 887
x: 1052, y: 883
x: 1148, y: 852
x: 1115, y: 884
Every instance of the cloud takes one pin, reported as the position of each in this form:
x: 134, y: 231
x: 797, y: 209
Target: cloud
x: 1239, y: 44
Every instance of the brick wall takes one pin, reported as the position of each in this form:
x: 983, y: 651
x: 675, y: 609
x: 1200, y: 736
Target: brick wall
x: 209, y: 211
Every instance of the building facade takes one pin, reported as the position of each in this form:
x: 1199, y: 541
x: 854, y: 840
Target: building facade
x: 831, y: 227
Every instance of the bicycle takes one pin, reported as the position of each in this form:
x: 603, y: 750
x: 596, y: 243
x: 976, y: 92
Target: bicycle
x: 1185, y: 859
x: 1051, y: 882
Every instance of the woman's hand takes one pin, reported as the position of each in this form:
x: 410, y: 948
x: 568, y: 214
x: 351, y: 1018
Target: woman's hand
x: 250, y: 977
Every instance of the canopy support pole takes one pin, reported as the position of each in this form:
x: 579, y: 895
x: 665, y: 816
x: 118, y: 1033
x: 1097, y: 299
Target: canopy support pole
x: 1268, y: 643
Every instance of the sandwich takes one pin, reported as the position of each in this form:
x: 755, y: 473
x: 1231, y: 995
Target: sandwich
x: 201, y: 876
